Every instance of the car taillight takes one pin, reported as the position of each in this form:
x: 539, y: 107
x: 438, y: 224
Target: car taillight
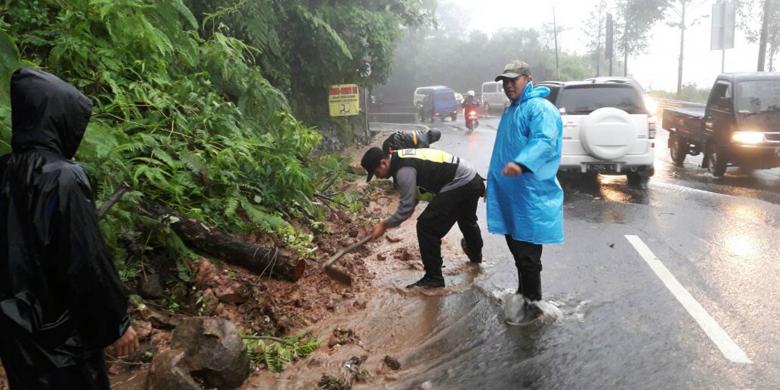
x: 651, y: 127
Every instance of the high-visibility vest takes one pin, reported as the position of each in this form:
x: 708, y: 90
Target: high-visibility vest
x: 435, y: 168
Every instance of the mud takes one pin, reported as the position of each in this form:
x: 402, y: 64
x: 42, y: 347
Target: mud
x: 351, y: 353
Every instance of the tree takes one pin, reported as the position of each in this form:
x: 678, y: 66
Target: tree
x: 678, y: 9
x: 760, y: 21
x: 595, y: 29
x: 637, y: 17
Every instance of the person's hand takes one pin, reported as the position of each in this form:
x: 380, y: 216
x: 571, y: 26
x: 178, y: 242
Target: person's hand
x: 512, y: 169
x: 378, y: 231
x: 127, y: 344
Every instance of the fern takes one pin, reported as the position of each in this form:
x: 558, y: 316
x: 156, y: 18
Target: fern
x: 276, y: 355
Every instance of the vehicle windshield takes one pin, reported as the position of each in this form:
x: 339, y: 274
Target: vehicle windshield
x: 758, y: 96
x: 582, y: 100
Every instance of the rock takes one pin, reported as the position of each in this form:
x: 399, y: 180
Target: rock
x: 330, y: 382
x: 380, y: 257
x: 158, y: 319
x: 392, y: 363
x: 206, y: 274
x: 150, y: 287
x: 209, y: 302
x: 427, y: 385
x: 232, y: 292
x: 360, y: 305
x: 143, y: 329
x: 167, y: 373
x: 213, y: 351
x: 161, y: 340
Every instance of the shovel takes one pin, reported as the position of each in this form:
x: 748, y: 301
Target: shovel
x: 337, y: 274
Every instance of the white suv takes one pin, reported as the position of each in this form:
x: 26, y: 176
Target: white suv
x: 606, y: 129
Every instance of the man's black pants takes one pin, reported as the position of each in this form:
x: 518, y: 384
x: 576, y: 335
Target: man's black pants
x: 528, y: 260
x: 458, y: 205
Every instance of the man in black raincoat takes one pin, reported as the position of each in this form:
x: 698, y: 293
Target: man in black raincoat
x: 61, y: 301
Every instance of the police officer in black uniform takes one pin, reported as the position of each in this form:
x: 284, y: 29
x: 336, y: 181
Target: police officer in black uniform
x: 457, y: 187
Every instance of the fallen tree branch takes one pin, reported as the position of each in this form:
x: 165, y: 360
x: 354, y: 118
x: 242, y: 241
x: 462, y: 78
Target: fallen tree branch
x: 115, y: 197
x: 261, y: 260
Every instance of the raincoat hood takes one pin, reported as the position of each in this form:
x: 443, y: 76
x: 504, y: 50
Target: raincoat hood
x: 60, y: 296
x: 531, y: 92
x: 47, y: 113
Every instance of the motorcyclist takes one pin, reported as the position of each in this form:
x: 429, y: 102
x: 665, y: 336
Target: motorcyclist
x: 469, y: 102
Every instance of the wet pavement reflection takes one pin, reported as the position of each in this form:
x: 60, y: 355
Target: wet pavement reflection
x: 620, y: 327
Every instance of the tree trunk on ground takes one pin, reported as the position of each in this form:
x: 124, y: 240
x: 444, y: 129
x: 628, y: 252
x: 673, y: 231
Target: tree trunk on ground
x: 261, y: 260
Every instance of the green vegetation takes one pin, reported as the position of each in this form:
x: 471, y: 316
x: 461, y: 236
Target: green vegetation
x: 198, y: 104
x: 689, y: 93
x: 277, y: 354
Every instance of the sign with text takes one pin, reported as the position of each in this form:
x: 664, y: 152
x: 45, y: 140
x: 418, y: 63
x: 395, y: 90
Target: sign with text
x: 344, y: 100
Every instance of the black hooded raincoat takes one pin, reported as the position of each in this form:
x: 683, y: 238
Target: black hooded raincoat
x: 61, y: 302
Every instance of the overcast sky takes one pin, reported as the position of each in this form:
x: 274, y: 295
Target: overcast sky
x: 655, y: 69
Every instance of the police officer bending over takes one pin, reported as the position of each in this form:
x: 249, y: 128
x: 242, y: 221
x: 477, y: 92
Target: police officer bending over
x: 458, y: 188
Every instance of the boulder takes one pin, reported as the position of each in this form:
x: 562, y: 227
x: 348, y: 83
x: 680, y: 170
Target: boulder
x: 150, y: 287
x: 167, y: 373
x: 214, y: 351
x: 203, y: 350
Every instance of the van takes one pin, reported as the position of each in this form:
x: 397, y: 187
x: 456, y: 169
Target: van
x: 493, y: 96
x: 438, y: 102
x: 419, y: 95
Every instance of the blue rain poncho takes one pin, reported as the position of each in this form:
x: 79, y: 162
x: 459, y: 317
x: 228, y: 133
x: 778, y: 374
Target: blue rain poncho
x: 529, y: 207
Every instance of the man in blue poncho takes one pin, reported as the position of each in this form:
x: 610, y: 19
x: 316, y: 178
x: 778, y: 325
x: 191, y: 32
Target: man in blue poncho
x: 524, y: 198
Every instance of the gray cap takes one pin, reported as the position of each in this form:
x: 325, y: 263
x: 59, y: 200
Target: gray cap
x: 515, y: 69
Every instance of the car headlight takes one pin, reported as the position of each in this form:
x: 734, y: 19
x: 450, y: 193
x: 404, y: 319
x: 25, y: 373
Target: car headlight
x: 747, y: 137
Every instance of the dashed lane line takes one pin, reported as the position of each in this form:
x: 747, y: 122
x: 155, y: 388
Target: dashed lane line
x: 722, y: 340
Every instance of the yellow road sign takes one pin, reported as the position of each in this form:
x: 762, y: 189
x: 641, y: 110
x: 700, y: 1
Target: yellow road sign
x: 344, y: 100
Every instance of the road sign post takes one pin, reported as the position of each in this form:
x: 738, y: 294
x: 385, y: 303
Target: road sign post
x: 723, y: 27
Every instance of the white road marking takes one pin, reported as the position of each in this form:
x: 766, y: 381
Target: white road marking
x: 727, y: 346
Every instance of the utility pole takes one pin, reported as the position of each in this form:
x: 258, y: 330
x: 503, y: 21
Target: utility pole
x: 598, y: 48
x: 682, y: 45
x: 555, y: 37
x: 762, y: 39
x: 609, y: 49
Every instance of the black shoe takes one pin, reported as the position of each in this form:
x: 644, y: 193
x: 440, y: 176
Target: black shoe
x: 472, y: 258
x: 531, y: 313
x: 427, y: 282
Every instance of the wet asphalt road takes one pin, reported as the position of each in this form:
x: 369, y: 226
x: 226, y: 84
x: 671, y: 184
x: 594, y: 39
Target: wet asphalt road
x: 621, y: 327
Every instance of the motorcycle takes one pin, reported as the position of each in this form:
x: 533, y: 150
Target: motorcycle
x: 472, y: 119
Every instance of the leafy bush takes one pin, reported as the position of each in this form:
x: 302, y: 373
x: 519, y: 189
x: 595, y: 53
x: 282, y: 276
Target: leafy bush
x: 276, y: 355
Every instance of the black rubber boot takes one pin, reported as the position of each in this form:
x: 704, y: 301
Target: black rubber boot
x: 428, y: 282
x: 474, y: 258
x: 530, y: 285
x: 531, y: 313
